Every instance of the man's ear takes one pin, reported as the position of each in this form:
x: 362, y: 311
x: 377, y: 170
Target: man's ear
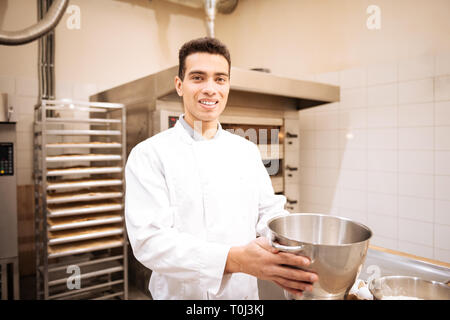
x: 178, y: 86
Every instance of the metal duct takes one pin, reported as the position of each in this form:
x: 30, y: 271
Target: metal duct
x: 48, y: 23
x: 211, y: 8
x: 46, y: 54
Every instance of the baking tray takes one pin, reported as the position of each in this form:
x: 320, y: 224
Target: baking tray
x: 84, y: 246
x: 74, y: 235
x: 83, y: 157
x: 82, y: 208
x: 84, y: 132
x: 93, y: 144
x: 83, y: 120
x: 83, y: 183
x: 82, y: 170
x: 66, y: 197
x: 64, y: 223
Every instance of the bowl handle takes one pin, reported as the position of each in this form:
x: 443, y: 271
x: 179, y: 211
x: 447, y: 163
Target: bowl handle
x: 290, y: 249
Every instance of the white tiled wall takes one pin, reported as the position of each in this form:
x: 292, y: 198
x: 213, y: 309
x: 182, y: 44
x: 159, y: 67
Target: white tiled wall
x: 382, y: 154
x: 23, y: 95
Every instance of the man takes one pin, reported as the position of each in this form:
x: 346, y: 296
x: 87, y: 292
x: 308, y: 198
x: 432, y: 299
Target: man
x: 197, y: 197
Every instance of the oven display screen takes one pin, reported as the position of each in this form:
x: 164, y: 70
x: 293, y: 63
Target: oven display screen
x: 6, y: 159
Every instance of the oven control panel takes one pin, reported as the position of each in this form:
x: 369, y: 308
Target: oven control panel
x: 6, y: 159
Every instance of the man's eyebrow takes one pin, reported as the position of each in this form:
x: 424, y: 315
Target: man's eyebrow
x: 204, y: 73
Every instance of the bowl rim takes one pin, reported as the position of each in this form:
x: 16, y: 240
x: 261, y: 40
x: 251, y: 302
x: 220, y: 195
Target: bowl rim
x: 432, y: 282
x: 319, y: 215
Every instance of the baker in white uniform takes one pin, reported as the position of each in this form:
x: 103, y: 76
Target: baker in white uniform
x: 198, y: 197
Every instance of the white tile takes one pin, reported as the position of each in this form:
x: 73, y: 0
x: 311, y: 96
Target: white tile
x: 442, y: 162
x: 326, y: 120
x: 329, y: 158
x: 307, y: 139
x: 353, y: 118
x: 25, y: 123
x: 25, y: 140
x: 7, y: 85
x: 25, y: 105
x: 307, y: 176
x: 352, y: 179
x: 306, y: 121
x: 382, y: 73
x: 382, y: 160
x: 442, y: 138
x: 416, y: 185
x: 328, y: 78
x: 442, y: 88
x: 442, y: 255
x: 382, y: 182
x: 24, y: 158
x: 380, y: 203
x: 355, y: 215
x: 354, y: 159
x: 384, y: 242
x: 421, y: 138
x: 382, y: 95
x: 382, y: 138
x: 416, y: 249
x: 24, y: 176
x: 442, y: 113
x: 416, y: 68
x: 64, y: 90
x: 416, y: 232
x: 415, y: 208
x: 353, y: 98
x: 327, y: 139
x: 416, y: 91
x: 321, y: 195
x: 353, y: 199
x: 442, y: 64
x: 326, y: 177
x: 384, y: 226
x: 442, y: 212
x: 442, y: 236
x: 353, y: 139
x: 442, y: 185
x: 308, y: 158
x: 82, y: 91
x: 27, y: 87
x: 416, y: 161
x: 411, y: 115
x: 382, y: 117
x: 352, y: 78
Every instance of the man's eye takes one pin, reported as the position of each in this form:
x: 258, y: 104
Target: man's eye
x: 221, y: 79
x: 196, y: 78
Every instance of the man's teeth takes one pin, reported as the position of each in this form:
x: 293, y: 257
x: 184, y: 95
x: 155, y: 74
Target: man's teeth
x: 209, y: 103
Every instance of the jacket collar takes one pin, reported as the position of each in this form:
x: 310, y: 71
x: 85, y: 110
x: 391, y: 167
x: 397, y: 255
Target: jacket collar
x: 187, y: 134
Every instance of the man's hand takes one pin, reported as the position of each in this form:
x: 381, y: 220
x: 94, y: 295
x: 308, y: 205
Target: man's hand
x: 260, y: 259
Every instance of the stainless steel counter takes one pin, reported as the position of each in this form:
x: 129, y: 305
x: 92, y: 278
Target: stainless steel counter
x: 377, y: 264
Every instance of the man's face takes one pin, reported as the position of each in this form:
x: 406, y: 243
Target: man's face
x: 205, y: 86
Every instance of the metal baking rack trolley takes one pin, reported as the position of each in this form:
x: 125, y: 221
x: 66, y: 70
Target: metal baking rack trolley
x: 79, y: 160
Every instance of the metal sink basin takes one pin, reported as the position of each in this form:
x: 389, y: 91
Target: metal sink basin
x: 377, y: 264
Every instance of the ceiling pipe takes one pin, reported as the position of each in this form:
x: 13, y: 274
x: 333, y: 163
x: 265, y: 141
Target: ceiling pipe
x: 44, y: 26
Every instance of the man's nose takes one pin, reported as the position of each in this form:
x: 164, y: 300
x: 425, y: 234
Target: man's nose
x: 209, y: 88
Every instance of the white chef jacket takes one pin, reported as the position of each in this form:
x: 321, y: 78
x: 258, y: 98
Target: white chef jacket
x: 188, y: 201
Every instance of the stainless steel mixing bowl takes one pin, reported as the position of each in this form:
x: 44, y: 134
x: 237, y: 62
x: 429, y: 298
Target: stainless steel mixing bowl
x: 400, y: 287
x: 336, y: 246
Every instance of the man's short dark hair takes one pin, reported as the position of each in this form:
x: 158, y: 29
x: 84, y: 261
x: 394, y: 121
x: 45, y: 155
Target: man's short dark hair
x: 205, y: 44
